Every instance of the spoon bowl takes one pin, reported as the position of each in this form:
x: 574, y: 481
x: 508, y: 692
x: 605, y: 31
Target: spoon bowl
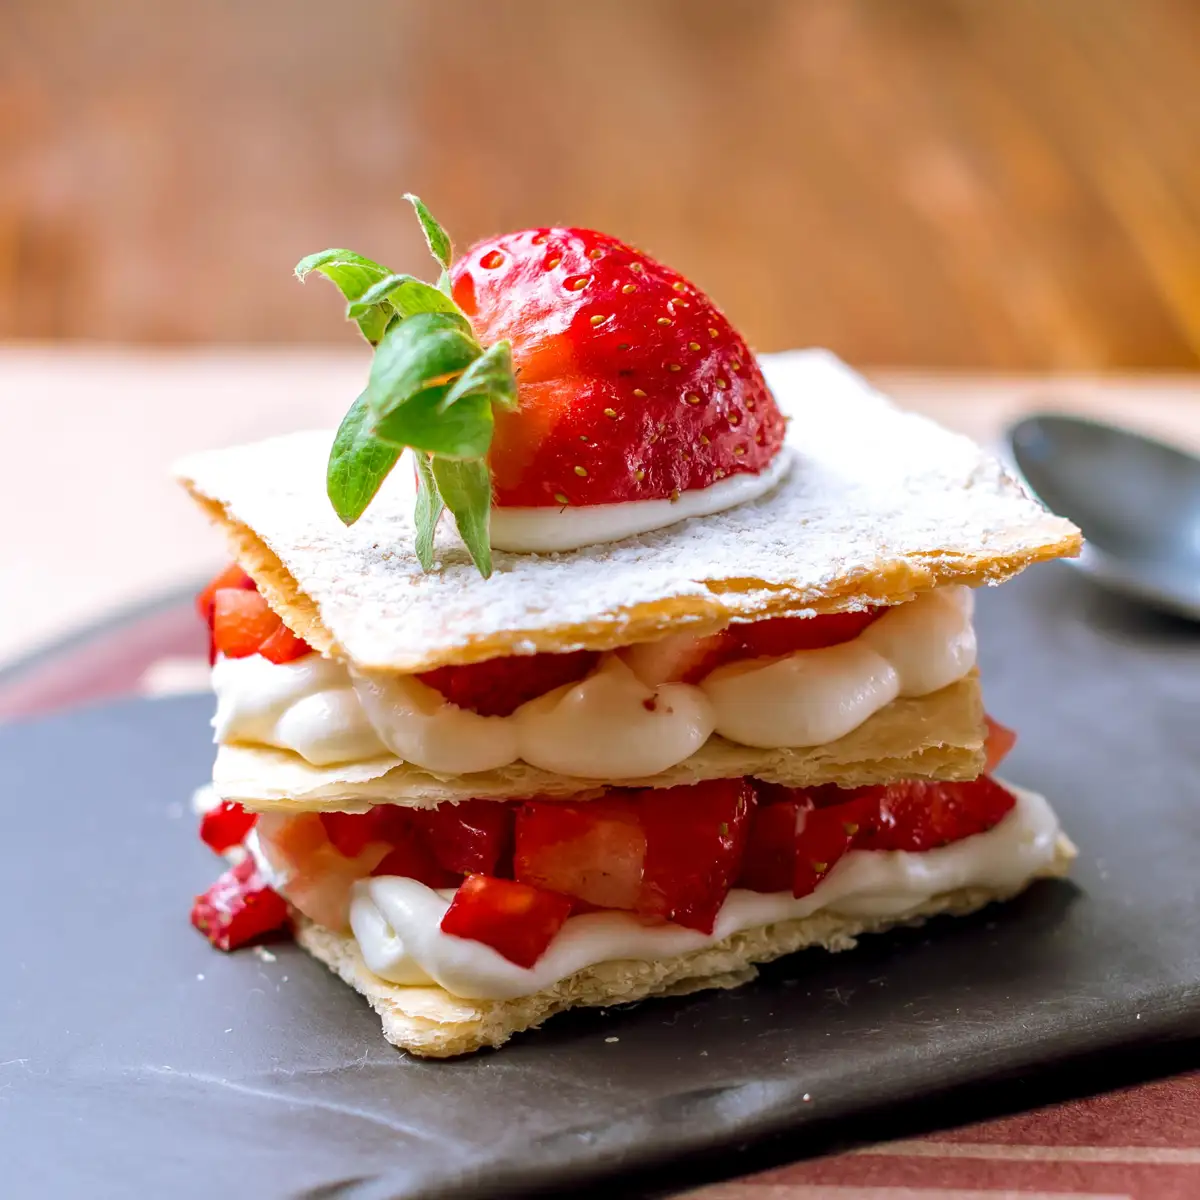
x: 1136, y: 500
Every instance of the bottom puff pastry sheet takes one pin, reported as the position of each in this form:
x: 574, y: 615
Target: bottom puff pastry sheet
x: 430, y: 1022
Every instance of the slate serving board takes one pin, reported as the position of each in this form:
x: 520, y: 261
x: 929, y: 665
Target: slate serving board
x: 135, y: 1060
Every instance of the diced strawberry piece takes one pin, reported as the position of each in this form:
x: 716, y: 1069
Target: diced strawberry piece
x: 283, y: 646
x: 515, y: 919
x: 239, y: 908
x: 225, y: 826
x: 690, y: 659
x: 825, y: 835
x: 778, y: 636
x: 1000, y: 740
x: 769, y: 861
x: 242, y: 621
x: 407, y: 849
x: 232, y: 577
x: 694, y: 841
x: 499, y: 686
x: 474, y: 837
x: 349, y: 833
x: 411, y: 860
x: 593, y: 851
x: 917, y: 815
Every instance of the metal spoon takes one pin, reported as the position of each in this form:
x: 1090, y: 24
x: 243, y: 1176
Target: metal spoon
x: 1136, y: 500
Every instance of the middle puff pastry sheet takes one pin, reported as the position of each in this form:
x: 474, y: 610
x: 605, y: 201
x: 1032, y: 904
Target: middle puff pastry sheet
x: 939, y: 736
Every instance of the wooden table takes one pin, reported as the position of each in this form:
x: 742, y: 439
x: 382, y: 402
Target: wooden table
x: 92, y: 523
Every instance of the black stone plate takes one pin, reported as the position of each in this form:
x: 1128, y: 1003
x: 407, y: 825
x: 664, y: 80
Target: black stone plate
x: 136, y: 1061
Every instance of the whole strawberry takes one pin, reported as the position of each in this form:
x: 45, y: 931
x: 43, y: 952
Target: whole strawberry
x: 632, y: 383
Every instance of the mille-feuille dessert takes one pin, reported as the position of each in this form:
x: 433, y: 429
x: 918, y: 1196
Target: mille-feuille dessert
x: 685, y: 681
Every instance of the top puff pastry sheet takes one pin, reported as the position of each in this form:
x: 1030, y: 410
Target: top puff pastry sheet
x: 879, y: 505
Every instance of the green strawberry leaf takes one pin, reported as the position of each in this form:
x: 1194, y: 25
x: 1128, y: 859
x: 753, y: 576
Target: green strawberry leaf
x: 444, y: 284
x: 423, y: 351
x: 352, y: 274
x: 466, y: 488
x: 436, y: 237
x: 407, y: 296
x: 358, y: 463
x: 463, y: 431
x: 490, y: 375
x: 428, y: 511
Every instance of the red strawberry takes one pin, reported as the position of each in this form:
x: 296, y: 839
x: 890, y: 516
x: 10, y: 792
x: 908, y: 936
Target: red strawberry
x: 515, y: 919
x: 497, y: 687
x: 689, y: 659
x: 283, y: 646
x: 239, y: 908
x: 633, y: 384
x: 695, y: 837
x: 225, y: 826
x: 918, y: 815
x: 1000, y: 741
x: 473, y: 837
x: 232, y: 577
x: 592, y: 851
x: 769, y: 863
x: 242, y: 621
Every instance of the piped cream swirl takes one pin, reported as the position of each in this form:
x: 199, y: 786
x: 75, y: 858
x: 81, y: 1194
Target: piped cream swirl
x: 615, y: 724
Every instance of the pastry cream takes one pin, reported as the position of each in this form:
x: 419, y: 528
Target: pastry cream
x: 540, y: 530
x: 397, y: 921
x: 615, y: 724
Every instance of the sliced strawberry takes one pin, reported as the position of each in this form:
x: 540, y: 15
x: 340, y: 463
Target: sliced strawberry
x: 232, y: 577
x: 515, y: 919
x: 825, y: 835
x: 239, y: 908
x: 283, y: 646
x: 769, y: 861
x: 633, y: 385
x: 694, y: 841
x: 918, y: 815
x: 1000, y: 741
x: 242, y: 621
x: 349, y: 833
x: 593, y: 851
x: 778, y: 636
x: 497, y: 687
x: 474, y: 837
x: 225, y: 826
x: 411, y: 860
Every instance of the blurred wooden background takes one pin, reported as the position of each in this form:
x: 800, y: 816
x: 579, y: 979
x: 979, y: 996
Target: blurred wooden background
x: 958, y: 183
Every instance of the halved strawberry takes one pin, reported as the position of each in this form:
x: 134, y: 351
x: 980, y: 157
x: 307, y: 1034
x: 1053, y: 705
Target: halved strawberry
x: 242, y: 621
x: 497, y: 687
x: 239, y: 908
x: 225, y: 826
x: 633, y: 384
x: 1000, y: 740
x: 283, y: 646
x: 515, y: 919
x: 474, y: 837
x: 593, y: 851
x: 232, y: 577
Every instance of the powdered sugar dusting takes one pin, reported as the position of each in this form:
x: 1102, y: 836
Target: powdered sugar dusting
x: 878, y: 504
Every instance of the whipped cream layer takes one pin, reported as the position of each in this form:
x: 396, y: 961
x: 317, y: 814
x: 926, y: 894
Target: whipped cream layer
x: 397, y: 921
x: 546, y: 529
x: 618, y: 722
